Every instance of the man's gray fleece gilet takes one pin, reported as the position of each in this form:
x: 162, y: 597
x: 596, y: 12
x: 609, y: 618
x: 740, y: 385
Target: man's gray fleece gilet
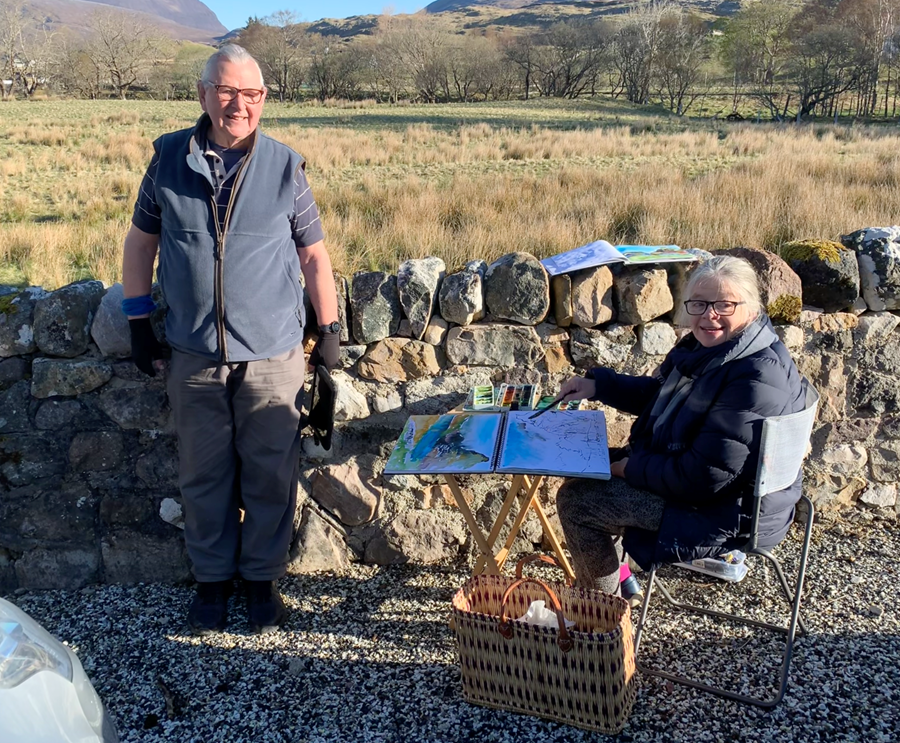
x: 234, y: 296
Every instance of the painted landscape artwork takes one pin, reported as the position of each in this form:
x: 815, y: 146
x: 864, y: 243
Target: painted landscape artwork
x: 463, y: 443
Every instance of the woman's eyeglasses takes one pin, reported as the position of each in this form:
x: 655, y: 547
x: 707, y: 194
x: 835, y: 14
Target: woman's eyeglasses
x: 722, y: 307
x: 226, y: 93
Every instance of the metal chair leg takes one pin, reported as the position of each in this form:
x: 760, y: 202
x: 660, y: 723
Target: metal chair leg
x: 790, y: 631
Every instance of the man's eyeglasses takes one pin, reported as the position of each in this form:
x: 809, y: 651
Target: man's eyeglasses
x: 722, y: 307
x: 226, y: 93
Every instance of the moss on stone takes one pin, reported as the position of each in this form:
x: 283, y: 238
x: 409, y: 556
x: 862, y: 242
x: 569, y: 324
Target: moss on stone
x: 803, y: 250
x: 6, y: 304
x: 785, y: 309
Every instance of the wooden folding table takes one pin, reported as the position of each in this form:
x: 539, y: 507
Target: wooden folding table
x: 523, y: 488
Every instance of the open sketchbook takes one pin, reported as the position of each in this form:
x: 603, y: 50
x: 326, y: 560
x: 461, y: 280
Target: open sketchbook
x: 569, y: 443
x: 600, y: 253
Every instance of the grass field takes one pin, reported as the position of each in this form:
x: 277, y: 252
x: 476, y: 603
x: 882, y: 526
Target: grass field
x: 456, y: 181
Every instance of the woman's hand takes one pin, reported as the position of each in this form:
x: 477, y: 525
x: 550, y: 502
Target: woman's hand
x: 617, y: 469
x: 577, y: 388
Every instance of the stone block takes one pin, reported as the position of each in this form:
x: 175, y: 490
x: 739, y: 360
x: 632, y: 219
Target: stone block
x: 54, y: 415
x: 844, y: 459
x: 30, y: 458
x: 125, y: 509
x: 461, y: 296
x: 96, y: 451
x: 398, y: 360
x: 494, y: 345
x: 592, y: 297
x: 828, y: 271
x: 136, y: 407
x: 657, y: 338
x: 875, y: 329
x: 349, y: 355
x: 561, y: 297
x: 878, y: 254
x: 109, y: 329
x: 350, y: 404
x: 62, y: 318
x: 51, y: 378
x: 134, y: 557
x: 418, y: 282
x: 16, y: 406
x: 517, y: 288
x: 13, y: 370
x: 611, y: 347
x: 642, y: 295
x: 48, y: 513
x: 884, y: 458
x: 319, y: 547
x: 157, y: 467
x: 436, y: 331
x: 61, y: 569
x: 17, y: 321
x: 880, y: 496
x: 348, y: 491
x: 437, y: 395
x: 424, y: 537
x: 375, y: 306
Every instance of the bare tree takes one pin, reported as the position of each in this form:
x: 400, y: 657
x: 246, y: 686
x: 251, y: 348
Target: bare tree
x: 636, y: 47
x: 12, y: 24
x: 683, y: 52
x: 334, y: 67
x: 383, y: 63
x: 74, y: 71
x: 756, y: 51
x: 278, y: 44
x: 522, y: 50
x: 123, y: 48
x: 573, y: 54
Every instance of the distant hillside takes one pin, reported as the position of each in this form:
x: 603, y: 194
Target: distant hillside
x: 593, y: 7
x: 470, y: 15
x: 180, y: 19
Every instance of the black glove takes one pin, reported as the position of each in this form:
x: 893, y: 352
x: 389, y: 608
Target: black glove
x: 145, y: 349
x: 327, y: 350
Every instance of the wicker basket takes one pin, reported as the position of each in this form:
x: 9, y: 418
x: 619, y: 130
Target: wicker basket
x: 583, y: 676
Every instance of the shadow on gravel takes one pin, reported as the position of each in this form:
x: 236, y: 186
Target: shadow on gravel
x: 368, y: 656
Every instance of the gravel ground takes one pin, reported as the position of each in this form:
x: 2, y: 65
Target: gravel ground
x: 368, y: 656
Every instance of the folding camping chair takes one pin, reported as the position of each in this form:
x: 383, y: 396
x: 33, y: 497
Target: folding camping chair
x: 782, y: 450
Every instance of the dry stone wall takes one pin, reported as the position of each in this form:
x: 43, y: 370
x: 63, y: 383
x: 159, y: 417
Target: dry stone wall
x: 88, y: 456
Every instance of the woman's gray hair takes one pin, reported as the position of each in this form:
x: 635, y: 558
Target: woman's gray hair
x: 739, y: 274
x: 228, y: 53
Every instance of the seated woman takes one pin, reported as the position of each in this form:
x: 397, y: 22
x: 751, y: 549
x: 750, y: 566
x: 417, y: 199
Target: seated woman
x: 682, y: 488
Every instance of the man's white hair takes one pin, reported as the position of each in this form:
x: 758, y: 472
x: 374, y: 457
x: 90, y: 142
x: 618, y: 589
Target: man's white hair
x: 228, y: 53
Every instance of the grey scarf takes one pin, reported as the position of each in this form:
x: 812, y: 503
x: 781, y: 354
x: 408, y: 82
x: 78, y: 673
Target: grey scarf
x: 675, y: 390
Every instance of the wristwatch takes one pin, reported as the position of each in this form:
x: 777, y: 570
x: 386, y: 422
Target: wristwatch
x: 332, y: 327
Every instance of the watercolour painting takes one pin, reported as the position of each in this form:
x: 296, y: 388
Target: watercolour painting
x: 461, y: 443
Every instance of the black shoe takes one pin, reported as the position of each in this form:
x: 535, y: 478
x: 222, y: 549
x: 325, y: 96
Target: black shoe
x: 209, y: 609
x: 265, y: 609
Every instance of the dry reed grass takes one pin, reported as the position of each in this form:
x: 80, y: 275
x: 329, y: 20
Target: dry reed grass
x: 459, y: 182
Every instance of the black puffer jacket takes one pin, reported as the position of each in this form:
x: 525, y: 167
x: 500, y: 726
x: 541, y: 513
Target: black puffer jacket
x: 702, y: 456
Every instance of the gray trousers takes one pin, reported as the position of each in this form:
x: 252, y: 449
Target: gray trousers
x: 238, y: 447
x: 594, y: 514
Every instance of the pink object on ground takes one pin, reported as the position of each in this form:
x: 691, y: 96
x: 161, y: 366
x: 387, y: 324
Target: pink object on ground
x: 624, y: 571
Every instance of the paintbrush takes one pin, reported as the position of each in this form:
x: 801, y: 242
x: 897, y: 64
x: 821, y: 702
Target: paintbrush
x: 552, y: 405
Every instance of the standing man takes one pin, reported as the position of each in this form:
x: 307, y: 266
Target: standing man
x: 230, y: 213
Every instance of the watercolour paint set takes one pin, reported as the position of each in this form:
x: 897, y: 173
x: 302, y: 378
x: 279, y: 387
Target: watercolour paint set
x: 488, y: 399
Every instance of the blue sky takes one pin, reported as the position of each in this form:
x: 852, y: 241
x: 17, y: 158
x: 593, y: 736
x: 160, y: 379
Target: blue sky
x: 234, y: 13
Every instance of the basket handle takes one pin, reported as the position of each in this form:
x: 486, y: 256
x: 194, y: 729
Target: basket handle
x: 563, y: 641
x: 538, y: 557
